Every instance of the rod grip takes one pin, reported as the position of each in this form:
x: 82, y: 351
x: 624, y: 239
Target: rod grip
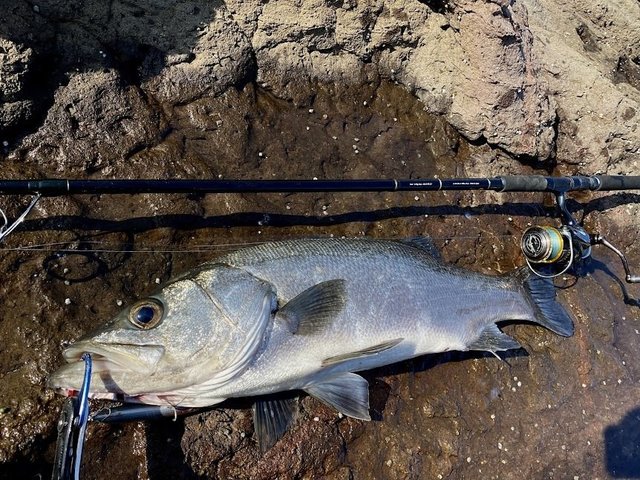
x: 619, y: 182
x: 524, y: 183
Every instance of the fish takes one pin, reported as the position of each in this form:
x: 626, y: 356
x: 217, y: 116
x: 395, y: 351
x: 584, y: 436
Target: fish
x: 302, y: 315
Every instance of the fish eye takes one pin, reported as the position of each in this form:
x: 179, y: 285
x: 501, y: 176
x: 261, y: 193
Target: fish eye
x: 146, y: 314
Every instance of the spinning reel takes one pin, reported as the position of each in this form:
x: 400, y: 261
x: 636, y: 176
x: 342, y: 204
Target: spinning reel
x: 550, y: 251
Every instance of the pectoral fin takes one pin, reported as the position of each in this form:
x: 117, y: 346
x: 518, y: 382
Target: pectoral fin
x: 271, y: 419
x: 315, y: 308
x: 493, y: 340
x: 348, y: 393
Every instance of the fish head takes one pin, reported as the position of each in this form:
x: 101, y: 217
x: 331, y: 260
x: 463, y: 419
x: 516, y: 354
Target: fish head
x: 202, y: 327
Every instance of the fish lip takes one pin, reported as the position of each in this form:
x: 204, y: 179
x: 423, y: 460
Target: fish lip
x: 123, y: 356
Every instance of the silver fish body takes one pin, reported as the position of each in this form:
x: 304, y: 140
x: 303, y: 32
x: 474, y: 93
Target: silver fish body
x: 303, y: 315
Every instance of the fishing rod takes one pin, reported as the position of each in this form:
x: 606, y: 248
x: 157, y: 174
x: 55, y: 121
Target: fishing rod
x: 510, y: 183
x: 549, y: 251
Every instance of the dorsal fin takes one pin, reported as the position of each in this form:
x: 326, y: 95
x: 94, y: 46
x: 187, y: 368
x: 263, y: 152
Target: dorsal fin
x: 425, y: 244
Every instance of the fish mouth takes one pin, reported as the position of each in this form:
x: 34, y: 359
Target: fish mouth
x: 109, y: 363
x: 116, y: 356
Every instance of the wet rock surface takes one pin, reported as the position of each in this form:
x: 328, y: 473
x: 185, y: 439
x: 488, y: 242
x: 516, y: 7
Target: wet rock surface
x: 326, y: 90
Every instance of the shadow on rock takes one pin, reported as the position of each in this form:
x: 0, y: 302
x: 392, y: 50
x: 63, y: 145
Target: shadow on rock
x: 165, y: 458
x: 594, y: 265
x: 169, y: 51
x: 248, y: 219
x: 622, y: 446
x: 186, y: 221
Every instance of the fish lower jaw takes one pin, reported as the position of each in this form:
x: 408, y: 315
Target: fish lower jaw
x: 169, y: 399
x: 72, y: 392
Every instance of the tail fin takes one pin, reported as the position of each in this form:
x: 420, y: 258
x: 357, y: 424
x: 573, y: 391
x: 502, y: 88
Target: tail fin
x: 549, y: 313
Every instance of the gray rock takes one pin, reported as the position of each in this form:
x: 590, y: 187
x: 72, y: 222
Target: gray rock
x: 15, y: 66
x: 95, y: 121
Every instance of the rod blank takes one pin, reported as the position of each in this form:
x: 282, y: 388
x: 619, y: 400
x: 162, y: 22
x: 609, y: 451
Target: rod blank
x: 516, y: 183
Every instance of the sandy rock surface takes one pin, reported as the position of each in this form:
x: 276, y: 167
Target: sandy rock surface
x: 335, y: 89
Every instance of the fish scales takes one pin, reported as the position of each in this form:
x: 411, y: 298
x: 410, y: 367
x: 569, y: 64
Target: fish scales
x: 394, y: 290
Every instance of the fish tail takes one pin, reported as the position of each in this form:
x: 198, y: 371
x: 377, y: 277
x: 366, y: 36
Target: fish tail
x: 542, y: 295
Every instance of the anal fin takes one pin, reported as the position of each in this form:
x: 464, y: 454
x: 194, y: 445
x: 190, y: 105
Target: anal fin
x: 493, y: 340
x: 271, y: 419
x: 348, y: 393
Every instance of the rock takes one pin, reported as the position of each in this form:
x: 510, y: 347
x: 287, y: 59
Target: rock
x: 15, y: 67
x: 596, y: 129
x: 473, y: 64
x: 481, y: 74
x: 483, y: 65
x: 221, y: 57
x: 96, y: 119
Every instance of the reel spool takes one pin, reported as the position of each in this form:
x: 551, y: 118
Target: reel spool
x: 549, y: 251
x: 544, y: 244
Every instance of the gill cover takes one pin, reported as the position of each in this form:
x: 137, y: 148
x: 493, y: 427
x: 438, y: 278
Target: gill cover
x: 242, y: 306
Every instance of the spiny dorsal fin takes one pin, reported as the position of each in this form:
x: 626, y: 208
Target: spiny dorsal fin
x: 365, y: 352
x: 493, y: 340
x: 348, y: 393
x: 425, y: 244
x: 271, y: 419
x: 315, y: 308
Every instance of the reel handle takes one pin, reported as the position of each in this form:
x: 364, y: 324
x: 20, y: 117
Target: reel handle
x: 598, y: 239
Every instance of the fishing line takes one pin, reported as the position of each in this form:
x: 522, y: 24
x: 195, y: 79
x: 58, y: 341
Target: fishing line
x: 6, y: 229
x: 200, y: 248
